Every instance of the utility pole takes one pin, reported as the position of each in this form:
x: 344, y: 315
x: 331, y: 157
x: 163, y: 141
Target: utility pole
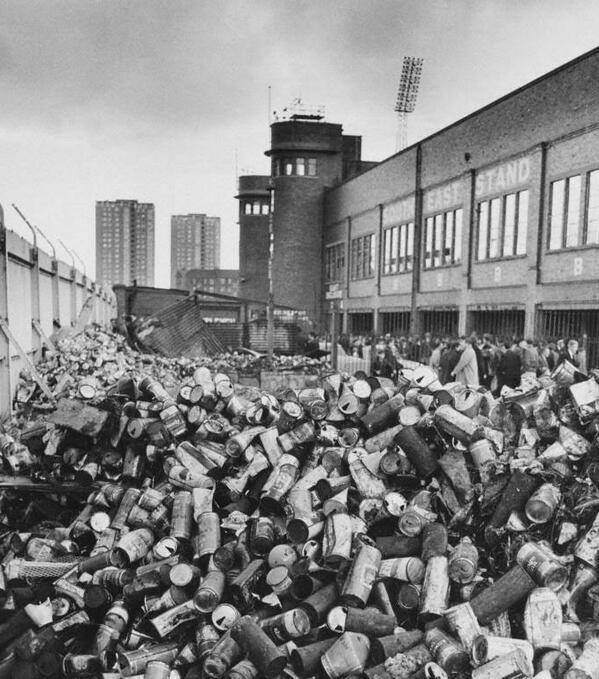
x: 270, y: 308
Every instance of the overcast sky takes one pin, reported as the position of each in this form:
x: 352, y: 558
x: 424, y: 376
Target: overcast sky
x: 161, y: 100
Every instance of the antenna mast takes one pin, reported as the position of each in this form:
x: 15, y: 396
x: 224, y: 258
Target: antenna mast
x: 407, y: 92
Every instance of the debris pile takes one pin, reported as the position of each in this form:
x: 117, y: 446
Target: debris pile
x: 158, y: 520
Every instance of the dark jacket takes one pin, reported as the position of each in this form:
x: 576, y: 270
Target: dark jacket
x: 508, y: 371
x: 449, y: 359
x: 480, y: 364
x: 565, y: 356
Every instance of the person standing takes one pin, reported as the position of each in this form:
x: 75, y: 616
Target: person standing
x: 466, y: 371
x: 435, y: 359
x: 449, y: 359
x: 509, y: 368
x: 570, y: 354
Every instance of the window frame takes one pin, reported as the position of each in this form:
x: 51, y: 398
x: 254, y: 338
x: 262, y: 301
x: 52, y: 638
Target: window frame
x: 435, y: 235
x: 335, y: 261
x: 520, y: 226
x: 363, y: 257
x: 585, y: 174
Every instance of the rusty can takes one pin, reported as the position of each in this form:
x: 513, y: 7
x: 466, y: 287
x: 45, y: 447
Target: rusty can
x: 542, y: 504
x: 210, y: 591
x: 337, y: 539
x: 206, y: 637
x: 587, y: 547
x: 408, y: 596
x: 447, y: 652
x: 157, y: 669
x: 209, y: 535
x: 347, y: 656
x: 136, y: 544
x: 482, y: 452
x: 223, y: 616
x: 127, y: 502
x: 463, y: 623
x: 282, y: 555
x: 245, y: 669
x: 542, y: 565
x: 173, y: 420
x: 150, y: 499
x: 167, y: 622
x: 463, y: 562
x: 283, y: 479
x: 361, y: 576
x: 81, y: 665
x: 543, y: 619
x: 279, y: 581
x: 408, y: 569
x: 182, y: 515
x: 262, y: 536
x: 291, y: 624
x: 487, y: 647
x: 301, y: 434
x: 435, y: 589
x: 587, y: 663
x: 512, y: 665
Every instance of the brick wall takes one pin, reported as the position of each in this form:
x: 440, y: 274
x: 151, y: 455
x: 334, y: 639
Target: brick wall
x: 552, y: 120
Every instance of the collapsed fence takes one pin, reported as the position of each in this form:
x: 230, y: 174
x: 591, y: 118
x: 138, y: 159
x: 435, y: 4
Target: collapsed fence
x: 39, y: 295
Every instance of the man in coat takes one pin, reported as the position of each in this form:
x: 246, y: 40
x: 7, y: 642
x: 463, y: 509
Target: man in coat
x: 570, y: 354
x: 510, y: 368
x: 466, y: 371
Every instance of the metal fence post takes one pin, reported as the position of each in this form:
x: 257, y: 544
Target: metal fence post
x: 36, y: 340
x: 5, y: 389
x: 55, y: 292
x: 73, y: 286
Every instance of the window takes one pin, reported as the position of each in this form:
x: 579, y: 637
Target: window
x: 335, y: 263
x: 300, y: 167
x: 265, y: 209
x: 390, y: 250
x: 312, y: 167
x: 502, y: 226
x: 442, y: 239
x: 362, y: 257
x: 398, y: 244
x: 276, y: 167
x: 564, y: 216
x: 288, y: 166
x: 256, y: 207
x: 248, y: 209
x: 592, y: 211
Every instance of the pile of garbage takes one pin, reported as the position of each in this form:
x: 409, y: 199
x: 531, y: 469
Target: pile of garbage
x: 159, y: 521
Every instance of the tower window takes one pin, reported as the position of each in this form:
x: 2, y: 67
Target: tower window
x: 312, y: 167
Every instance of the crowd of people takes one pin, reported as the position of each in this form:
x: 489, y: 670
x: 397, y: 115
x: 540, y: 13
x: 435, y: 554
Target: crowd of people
x: 474, y: 360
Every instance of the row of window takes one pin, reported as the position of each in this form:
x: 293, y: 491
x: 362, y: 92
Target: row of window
x: 294, y: 167
x: 574, y: 211
x: 255, y: 207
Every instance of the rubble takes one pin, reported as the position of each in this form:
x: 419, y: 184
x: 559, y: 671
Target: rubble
x: 160, y: 520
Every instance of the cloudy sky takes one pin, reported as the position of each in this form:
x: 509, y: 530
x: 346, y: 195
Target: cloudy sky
x: 161, y: 100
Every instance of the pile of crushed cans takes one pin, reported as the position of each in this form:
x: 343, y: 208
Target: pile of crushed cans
x: 159, y: 521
